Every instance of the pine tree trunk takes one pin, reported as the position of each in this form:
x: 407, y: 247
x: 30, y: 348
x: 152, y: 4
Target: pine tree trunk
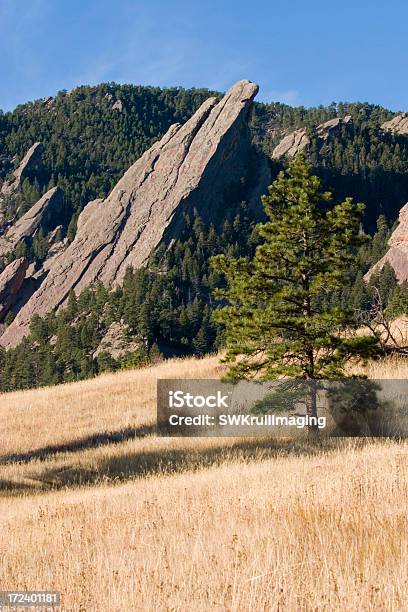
x: 311, y: 404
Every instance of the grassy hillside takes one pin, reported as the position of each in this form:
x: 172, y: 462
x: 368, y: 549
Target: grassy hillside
x: 95, y: 505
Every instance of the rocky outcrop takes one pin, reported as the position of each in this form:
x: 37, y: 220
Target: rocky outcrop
x: 53, y: 236
x: 397, y: 255
x: 192, y: 168
x: 48, y: 102
x: 292, y: 144
x: 44, y: 214
x: 295, y: 142
x: 397, y: 125
x: 324, y: 129
x: 11, y: 280
x: 28, y: 167
x: 116, y: 343
x: 118, y: 105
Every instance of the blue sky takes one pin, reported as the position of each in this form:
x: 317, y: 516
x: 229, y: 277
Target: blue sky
x: 299, y: 51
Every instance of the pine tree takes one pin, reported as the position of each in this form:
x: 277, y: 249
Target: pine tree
x: 398, y: 301
x: 359, y: 297
x: 203, y: 340
x: 277, y: 322
x: 385, y: 281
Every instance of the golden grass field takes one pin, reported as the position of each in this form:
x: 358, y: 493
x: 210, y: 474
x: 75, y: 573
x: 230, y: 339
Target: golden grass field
x: 95, y: 505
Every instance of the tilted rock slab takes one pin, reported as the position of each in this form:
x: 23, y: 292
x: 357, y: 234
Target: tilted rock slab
x: 28, y: 165
x: 297, y: 141
x: 397, y: 125
x: 11, y: 280
x: 397, y: 255
x: 292, y: 144
x: 39, y: 215
x: 189, y: 169
x: 323, y: 130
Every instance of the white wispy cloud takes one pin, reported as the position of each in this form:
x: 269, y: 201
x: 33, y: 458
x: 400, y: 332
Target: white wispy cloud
x: 288, y: 96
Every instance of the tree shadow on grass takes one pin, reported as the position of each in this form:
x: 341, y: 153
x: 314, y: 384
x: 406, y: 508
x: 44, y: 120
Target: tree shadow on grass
x: 94, y: 441
x: 10, y: 486
x: 156, y: 461
x: 124, y: 467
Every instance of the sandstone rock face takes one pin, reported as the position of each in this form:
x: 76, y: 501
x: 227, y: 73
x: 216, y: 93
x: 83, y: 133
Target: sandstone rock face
x: 190, y: 168
x: 323, y: 130
x: 296, y: 141
x: 292, y: 144
x: 27, y: 167
x: 39, y: 215
x: 397, y: 255
x: 118, y: 106
x: 115, y: 342
x: 11, y: 280
x: 52, y: 238
x: 397, y: 125
x: 49, y: 101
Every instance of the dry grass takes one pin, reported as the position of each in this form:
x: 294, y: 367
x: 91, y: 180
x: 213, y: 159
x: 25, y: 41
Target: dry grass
x: 394, y: 367
x: 118, y: 519
x: 54, y: 416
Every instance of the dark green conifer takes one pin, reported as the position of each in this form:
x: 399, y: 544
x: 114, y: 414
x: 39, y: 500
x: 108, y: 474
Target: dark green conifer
x: 275, y: 322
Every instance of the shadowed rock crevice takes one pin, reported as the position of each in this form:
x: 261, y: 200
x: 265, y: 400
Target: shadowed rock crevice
x: 11, y: 281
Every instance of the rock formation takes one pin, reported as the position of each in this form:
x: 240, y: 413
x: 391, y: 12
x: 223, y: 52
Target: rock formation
x: 11, y: 280
x: 118, y: 106
x: 192, y: 168
x: 397, y: 255
x: 43, y: 214
x: 115, y: 342
x: 324, y: 129
x: 27, y: 168
x: 49, y: 101
x: 397, y: 125
x: 294, y: 142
